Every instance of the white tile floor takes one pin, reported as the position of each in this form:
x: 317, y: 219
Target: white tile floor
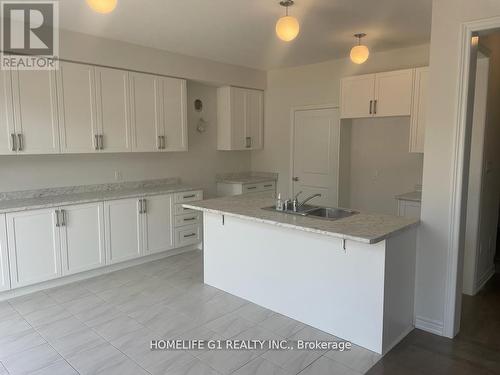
x: 104, y: 326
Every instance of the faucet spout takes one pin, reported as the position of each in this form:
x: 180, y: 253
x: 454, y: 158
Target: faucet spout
x: 300, y: 204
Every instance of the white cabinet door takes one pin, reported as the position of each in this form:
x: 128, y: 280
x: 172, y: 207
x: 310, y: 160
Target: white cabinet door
x: 7, y: 131
x: 123, y: 225
x: 174, y: 118
x: 4, y: 256
x: 158, y: 224
x: 34, y: 247
x: 409, y: 209
x: 145, y: 104
x: 113, y: 117
x: 238, y: 118
x: 419, y: 110
x: 393, y: 93
x: 356, y: 96
x: 254, y: 119
x: 82, y: 237
x: 35, y: 111
x: 77, y: 107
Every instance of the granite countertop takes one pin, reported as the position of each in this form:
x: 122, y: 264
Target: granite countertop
x: 414, y: 196
x: 362, y: 227
x: 51, y: 199
x: 246, y: 177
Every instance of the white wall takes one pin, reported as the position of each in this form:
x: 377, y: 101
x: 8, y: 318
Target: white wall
x: 434, y: 255
x: 198, y: 166
x: 320, y: 84
x: 380, y: 165
x: 94, y: 50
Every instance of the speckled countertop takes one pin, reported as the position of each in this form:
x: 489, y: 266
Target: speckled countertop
x: 362, y: 227
x: 246, y: 177
x: 47, y: 198
x: 414, y: 196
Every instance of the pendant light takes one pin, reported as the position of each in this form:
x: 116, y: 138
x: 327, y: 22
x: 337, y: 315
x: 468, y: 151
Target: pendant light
x: 102, y: 6
x: 359, y: 53
x: 287, y: 27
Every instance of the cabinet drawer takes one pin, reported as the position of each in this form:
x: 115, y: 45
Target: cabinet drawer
x: 179, y: 210
x: 252, y: 188
x: 189, y: 218
x: 187, y: 235
x: 270, y: 185
x: 188, y: 196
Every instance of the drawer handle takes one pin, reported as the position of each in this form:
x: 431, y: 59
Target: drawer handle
x: 189, y: 235
x: 189, y: 196
x: 251, y: 187
x: 268, y: 185
x: 190, y: 219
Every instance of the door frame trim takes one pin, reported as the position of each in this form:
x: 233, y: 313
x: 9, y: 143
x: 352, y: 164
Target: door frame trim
x: 293, y: 110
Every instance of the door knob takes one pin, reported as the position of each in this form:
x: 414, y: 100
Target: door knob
x: 295, y: 179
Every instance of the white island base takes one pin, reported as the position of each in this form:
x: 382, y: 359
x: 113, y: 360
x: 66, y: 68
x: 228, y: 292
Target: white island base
x: 363, y: 293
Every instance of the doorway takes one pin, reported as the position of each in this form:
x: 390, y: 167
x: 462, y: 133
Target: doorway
x: 315, y: 153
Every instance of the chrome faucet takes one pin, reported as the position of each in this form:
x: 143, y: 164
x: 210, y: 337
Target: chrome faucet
x: 296, y: 204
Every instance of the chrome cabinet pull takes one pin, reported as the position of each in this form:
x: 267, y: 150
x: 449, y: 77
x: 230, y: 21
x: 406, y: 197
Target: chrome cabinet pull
x: 375, y: 107
x: 248, y: 142
x: 101, y: 139
x: 58, y: 223
x: 63, y: 218
x: 189, y: 219
x: 159, y: 144
x: 189, y: 235
x: 145, y: 206
x: 20, y: 145
x: 96, y: 142
x: 295, y: 179
x: 189, y: 196
x: 164, y: 142
x: 268, y: 185
x: 371, y: 105
x: 140, y: 206
x: 14, y: 143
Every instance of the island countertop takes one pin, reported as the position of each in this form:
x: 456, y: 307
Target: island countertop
x: 362, y: 227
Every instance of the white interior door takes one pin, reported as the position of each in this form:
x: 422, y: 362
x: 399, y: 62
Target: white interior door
x: 4, y: 256
x: 357, y: 94
x: 82, y: 238
x: 35, y: 111
x: 113, y: 109
x: 145, y: 107
x: 77, y: 107
x: 175, y: 114
x: 123, y: 225
x: 34, y: 247
x: 158, y: 224
x: 393, y: 93
x: 316, y: 154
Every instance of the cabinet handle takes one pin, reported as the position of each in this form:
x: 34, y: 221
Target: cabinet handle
x: 189, y: 235
x: 371, y: 104
x: 20, y: 145
x: 268, y: 185
x: 14, y: 144
x: 251, y: 187
x: 58, y: 223
x: 140, y: 206
x: 248, y: 142
x: 164, y: 142
x: 96, y: 142
x: 189, y: 196
x: 159, y: 144
x: 145, y: 206
x: 375, y: 107
x: 101, y: 139
x: 189, y: 219
x: 63, y: 218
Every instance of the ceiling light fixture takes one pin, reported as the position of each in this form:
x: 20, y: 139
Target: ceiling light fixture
x: 287, y: 28
x: 359, y: 53
x: 102, y: 6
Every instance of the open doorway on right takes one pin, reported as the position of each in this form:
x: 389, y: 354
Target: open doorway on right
x: 480, y: 320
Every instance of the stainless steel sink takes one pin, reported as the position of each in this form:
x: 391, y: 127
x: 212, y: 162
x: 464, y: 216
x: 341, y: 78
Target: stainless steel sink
x: 327, y: 213
x: 331, y: 213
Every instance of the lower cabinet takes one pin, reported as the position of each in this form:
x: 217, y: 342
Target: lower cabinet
x: 123, y: 225
x: 4, y: 256
x: 34, y: 246
x: 409, y: 209
x: 82, y: 237
x: 157, y: 224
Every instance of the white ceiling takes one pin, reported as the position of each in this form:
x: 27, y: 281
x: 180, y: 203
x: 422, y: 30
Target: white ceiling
x: 242, y: 31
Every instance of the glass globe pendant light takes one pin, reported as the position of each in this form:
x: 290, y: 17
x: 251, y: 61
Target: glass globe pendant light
x: 287, y: 27
x: 102, y: 6
x: 359, y: 53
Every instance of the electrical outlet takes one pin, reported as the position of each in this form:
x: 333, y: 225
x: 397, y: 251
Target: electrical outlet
x: 118, y: 176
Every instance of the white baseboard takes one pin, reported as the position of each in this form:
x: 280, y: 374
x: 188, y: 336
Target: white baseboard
x: 429, y: 325
x: 92, y: 273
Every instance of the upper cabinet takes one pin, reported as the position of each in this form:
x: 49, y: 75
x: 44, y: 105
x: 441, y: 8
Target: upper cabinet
x: 377, y: 95
x: 419, y: 110
x: 240, y: 123
x: 82, y: 108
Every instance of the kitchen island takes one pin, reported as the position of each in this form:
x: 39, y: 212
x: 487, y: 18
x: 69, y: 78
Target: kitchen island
x: 353, y: 277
